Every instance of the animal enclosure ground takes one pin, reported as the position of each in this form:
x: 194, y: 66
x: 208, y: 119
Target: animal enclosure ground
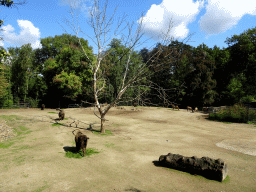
x: 127, y: 159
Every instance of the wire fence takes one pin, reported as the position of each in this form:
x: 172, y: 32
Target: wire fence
x: 74, y: 106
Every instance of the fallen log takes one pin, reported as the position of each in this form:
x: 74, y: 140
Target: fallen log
x: 205, y: 166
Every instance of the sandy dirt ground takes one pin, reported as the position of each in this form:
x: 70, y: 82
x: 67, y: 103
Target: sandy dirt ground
x: 127, y: 160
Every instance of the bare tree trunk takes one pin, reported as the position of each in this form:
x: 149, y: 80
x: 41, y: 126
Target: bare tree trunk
x: 102, y: 130
x: 127, y: 81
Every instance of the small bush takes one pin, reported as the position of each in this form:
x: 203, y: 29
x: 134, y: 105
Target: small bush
x: 248, y: 98
x: 33, y: 102
x: 7, y: 103
x: 237, y: 113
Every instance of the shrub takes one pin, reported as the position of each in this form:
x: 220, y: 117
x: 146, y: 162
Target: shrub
x: 248, y: 98
x: 33, y: 102
x: 6, y: 101
x: 236, y: 113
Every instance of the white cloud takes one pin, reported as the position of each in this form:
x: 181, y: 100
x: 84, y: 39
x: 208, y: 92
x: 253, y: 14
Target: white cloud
x: 80, y: 4
x: 222, y: 15
x: 28, y: 34
x: 181, y: 13
x: 73, y: 3
x: 1, y: 43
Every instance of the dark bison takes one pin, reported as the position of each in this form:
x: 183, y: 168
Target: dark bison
x: 61, y: 115
x: 81, y: 141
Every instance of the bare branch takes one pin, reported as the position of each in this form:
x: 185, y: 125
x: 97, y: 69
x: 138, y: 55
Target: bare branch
x: 101, y: 27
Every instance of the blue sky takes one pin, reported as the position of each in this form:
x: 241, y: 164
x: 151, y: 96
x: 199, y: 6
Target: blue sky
x: 212, y: 21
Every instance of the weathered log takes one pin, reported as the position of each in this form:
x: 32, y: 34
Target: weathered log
x: 205, y: 166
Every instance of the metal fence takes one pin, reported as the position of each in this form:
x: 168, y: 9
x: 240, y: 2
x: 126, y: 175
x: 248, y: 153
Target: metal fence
x: 24, y: 104
x: 217, y: 109
x: 74, y: 106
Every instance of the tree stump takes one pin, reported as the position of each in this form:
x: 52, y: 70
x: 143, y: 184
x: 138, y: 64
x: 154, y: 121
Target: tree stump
x: 205, y: 166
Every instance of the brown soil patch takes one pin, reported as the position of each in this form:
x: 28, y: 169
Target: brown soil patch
x: 128, y: 159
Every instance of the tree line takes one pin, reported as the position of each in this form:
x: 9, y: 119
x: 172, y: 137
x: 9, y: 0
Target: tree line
x: 174, y: 73
x: 200, y: 75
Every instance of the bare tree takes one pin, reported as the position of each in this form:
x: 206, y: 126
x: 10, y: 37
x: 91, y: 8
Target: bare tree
x: 101, y: 29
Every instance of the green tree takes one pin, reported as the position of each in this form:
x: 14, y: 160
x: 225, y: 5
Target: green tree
x: 176, y: 68
x: 243, y: 58
x: 7, y: 99
x: 22, y: 74
x: 3, y: 81
x: 3, y: 53
x: 37, y: 88
x: 221, y: 73
x: 202, y: 82
x: 236, y: 88
x: 21, y: 69
x: 248, y: 98
x: 64, y: 67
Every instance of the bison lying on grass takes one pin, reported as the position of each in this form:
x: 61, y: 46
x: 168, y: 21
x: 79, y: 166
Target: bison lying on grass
x: 81, y: 141
x: 61, y: 115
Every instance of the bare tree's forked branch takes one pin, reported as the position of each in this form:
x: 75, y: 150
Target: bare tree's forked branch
x: 101, y: 28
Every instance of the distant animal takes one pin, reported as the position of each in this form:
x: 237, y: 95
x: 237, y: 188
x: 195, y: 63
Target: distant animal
x: 205, y: 109
x: 43, y: 106
x: 190, y: 108
x: 176, y: 107
x: 81, y: 141
x: 196, y: 109
x: 61, y: 115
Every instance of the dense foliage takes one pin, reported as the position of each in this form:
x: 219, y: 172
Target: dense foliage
x: 59, y: 73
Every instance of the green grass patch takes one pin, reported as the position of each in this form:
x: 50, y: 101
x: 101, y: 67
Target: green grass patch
x: 78, y: 155
x: 97, y: 132
x: 57, y: 124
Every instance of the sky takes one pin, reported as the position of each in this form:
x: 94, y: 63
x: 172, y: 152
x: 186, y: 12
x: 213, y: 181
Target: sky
x: 211, y: 22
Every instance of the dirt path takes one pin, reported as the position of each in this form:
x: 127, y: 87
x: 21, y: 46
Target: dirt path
x: 36, y: 161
